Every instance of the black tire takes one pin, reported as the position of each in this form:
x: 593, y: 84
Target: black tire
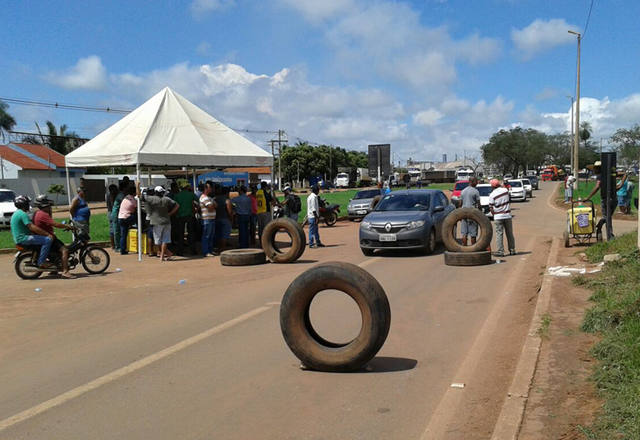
x: 565, y: 237
x: 367, y: 252
x: 431, y: 243
x: 485, y: 232
x: 21, y: 261
x: 95, y: 260
x: 314, y: 351
x: 243, y: 257
x: 298, y: 241
x: 331, y: 219
x: 467, y: 258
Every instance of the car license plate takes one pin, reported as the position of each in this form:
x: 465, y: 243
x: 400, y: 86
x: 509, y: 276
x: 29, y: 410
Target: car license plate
x: 361, y: 211
x: 388, y: 237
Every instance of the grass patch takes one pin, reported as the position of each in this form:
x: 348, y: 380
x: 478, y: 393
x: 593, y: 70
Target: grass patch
x: 615, y: 316
x: 585, y: 188
x: 545, y: 323
x: 623, y: 245
x: 99, y: 231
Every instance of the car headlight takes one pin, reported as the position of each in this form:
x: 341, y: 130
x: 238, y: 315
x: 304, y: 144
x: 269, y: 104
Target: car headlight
x: 415, y: 224
x: 365, y: 225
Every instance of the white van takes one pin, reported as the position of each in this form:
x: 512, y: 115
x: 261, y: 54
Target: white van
x: 342, y: 180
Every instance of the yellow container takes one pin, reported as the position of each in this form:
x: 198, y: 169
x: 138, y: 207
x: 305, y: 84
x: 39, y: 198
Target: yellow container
x: 132, y: 241
x: 581, y: 220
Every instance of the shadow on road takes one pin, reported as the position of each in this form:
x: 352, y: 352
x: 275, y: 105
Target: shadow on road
x: 384, y: 364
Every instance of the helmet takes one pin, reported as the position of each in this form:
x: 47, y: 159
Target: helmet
x: 42, y: 201
x: 22, y: 202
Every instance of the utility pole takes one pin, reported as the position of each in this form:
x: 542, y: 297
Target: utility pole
x: 572, y: 137
x: 280, y: 132
x: 577, y: 131
x: 273, y: 164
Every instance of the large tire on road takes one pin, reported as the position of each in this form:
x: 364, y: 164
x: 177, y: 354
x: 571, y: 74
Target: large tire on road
x: 317, y: 353
x: 242, y: 257
x: 485, y: 232
x: 269, y: 245
x: 467, y: 258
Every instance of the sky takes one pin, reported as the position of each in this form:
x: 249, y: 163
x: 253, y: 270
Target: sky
x: 427, y: 76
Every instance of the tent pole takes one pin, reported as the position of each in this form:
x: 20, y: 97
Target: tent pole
x: 149, y: 178
x: 139, y: 215
x: 194, y: 180
x: 66, y: 168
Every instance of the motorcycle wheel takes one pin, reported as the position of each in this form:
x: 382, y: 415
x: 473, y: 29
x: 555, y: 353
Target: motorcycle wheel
x: 20, y: 265
x: 95, y: 260
x: 331, y: 219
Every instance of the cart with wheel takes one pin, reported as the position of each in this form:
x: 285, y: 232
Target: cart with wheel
x: 581, y: 223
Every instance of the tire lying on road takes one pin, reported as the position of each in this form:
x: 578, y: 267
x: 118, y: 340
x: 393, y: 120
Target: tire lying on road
x: 317, y: 353
x: 485, y: 231
x: 270, y: 247
x: 242, y: 257
x: 467, y: 258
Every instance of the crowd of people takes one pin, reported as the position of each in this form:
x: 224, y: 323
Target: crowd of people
x: 207, y: 215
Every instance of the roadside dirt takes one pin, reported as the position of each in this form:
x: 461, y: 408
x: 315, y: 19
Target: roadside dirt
x: 562, y: 399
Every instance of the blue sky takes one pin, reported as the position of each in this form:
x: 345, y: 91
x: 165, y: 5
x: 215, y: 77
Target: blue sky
x: 429, y: 77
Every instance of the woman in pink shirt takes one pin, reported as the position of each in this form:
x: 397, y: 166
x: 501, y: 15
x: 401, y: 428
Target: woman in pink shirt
x: 126, y: 217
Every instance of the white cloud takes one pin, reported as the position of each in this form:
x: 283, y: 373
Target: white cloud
x: 317, y: 10
x: 542, y: 35
x: 427, y: 117
x: 200, y: 8
x: 88, y: 74
x: 203, y: 49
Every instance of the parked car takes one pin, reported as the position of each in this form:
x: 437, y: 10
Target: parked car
x: 457, y: 190
x: 409, y: 219
x: 516, y: 190
x: 527, y: 186
x: 485, y: 189
x: 362, y: 203
x: 7, y: 208
x: 534, y: 181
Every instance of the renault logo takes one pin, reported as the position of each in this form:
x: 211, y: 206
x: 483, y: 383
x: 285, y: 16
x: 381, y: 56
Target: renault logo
x: 387, y: 227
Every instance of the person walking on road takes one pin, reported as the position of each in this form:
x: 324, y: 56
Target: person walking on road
x: 208, y: 214
x: 313, y: 214
x: 500, y: 205
x: 470, y: 197
x: 242, y: 206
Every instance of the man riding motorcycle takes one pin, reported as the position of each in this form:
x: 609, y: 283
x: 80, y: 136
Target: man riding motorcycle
x: 42, y: 219
x: 25, y: 233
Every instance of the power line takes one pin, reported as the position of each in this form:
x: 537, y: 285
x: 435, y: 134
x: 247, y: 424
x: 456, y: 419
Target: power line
x: 586, y: 26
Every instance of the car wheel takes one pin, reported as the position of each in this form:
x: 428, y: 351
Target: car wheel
x: 431, y: 243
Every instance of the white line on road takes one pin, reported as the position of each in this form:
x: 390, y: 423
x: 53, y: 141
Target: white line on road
x: 132, y: 367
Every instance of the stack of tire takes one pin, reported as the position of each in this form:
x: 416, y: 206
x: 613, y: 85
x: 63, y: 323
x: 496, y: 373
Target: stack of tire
x: 270, y: 249
x: 458, y: 254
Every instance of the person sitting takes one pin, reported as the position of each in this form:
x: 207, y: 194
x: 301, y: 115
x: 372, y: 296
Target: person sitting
x: 25, y: 233
x: 42, y: 219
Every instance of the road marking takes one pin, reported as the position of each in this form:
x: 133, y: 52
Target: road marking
x: 128, y: 369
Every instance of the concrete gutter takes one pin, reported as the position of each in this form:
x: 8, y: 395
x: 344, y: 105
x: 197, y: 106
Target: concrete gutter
x: 512, y: 413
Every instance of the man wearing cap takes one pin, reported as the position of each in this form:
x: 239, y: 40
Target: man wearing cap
x: 42, y: 219
x: 162, y: 208
x: 290, y: 204
x: 500, y: 205
x: 568, y: 189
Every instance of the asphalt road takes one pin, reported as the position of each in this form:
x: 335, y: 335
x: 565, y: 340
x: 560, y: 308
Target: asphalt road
x: 135, y: 354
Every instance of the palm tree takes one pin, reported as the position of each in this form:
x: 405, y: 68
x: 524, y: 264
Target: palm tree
x: 7, y: 122
x: 59, y: 139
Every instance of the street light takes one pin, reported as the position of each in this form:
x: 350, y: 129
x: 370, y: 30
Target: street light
x: 577, y: 130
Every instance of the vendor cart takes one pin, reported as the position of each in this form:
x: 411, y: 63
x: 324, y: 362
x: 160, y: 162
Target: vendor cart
x: 581, y: 223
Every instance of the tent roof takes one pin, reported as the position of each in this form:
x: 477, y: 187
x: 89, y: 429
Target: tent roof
x: 169, y: 130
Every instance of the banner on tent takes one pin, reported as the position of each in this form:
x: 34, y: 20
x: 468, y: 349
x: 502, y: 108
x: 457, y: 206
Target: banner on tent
x: 225, y: 179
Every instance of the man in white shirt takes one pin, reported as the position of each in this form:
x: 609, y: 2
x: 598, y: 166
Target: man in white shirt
x: 500, y: 205
x: 313, y: 214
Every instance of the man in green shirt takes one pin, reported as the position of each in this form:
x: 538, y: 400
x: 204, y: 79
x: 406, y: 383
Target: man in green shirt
x: 25, y: 233
x: 186, y: 216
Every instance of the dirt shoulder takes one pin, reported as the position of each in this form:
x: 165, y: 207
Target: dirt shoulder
x: 562, y: 398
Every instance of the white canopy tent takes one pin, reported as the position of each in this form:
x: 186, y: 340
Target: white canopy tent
x: 168, y: 130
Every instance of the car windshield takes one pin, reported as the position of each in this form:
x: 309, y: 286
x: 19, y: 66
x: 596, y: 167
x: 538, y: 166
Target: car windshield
x: 7, y: 196
x: 461, y: 185
x: 404, y: 202
x: 369, y: 194
x: 484, y: 190
x: 526, y: 182
x: 515, y: 183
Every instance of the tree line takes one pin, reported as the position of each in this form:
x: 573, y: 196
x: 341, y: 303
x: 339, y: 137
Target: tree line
x: 519, y: 149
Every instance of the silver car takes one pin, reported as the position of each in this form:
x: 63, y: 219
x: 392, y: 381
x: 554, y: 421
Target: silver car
x: 362, y: 203
x: 410, y: 219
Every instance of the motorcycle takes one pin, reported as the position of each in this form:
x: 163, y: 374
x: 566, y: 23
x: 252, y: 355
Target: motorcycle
x: 328, y: 213
x: 95, y: 260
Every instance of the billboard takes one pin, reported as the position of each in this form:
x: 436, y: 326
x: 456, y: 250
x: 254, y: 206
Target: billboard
x: 380, y: 155
x: 225, y: 179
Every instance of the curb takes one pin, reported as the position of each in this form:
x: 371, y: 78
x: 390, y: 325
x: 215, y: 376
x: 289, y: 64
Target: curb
x: 94, y: 243
x: 512, y: 413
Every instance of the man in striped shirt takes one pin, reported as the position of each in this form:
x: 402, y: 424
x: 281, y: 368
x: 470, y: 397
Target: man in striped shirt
x: 499, y: 203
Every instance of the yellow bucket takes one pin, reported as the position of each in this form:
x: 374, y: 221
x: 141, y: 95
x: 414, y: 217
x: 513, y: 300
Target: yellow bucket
x: 132, y: 241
